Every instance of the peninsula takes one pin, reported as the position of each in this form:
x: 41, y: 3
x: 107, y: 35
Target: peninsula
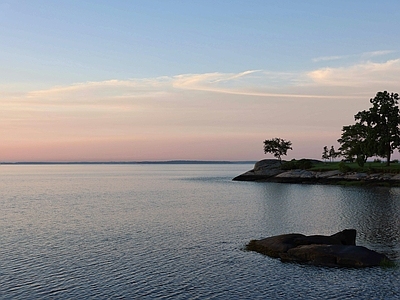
x: 317, y: 172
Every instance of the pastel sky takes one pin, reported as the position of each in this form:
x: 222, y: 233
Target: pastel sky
x: 100, y: 80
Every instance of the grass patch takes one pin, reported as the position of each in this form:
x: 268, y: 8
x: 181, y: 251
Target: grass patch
x: 323, y: 167
x: 369, y: 167
x: 303, y: 164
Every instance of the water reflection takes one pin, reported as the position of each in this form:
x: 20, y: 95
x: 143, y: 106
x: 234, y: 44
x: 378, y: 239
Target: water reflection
x: 318, y: 209
x: 375, y: 211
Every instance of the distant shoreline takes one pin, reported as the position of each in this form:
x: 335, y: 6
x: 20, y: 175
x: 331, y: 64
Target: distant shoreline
x: 167, y: 162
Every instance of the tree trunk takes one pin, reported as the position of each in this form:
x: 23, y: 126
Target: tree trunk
x: 388, y: 155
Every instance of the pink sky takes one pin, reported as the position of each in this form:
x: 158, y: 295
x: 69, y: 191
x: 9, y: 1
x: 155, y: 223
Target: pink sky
x: 210, y: 116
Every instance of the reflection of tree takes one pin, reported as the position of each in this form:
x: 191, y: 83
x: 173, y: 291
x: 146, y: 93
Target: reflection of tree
x: 378, y: 221
x: 317, y: 209
x: 301, y: 208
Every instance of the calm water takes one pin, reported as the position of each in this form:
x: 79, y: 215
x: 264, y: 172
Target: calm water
x: 177, y: 232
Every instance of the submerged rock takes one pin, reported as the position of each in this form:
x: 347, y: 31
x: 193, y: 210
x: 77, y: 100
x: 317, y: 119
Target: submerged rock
x: 335, y: 255
x: 335, y: 250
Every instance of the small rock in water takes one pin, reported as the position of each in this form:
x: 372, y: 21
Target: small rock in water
x: 338, y: 250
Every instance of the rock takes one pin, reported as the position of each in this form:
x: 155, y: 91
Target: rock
x: 328, y: 174
x: 396, y: 177
x: 345, y: 237
x: 262, y: 170
x: 296, y: 174
x: 335, y: 255
x: 336, y: 250
x: 356, y: 176
x: 275, y: 245
x: 267, y: 164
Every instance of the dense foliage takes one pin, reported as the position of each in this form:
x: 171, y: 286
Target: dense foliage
x: 303, y: 164
x: 277, y: 147
x: 376, y: 131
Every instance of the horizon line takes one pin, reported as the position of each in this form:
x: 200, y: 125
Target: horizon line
x: 127, y: 162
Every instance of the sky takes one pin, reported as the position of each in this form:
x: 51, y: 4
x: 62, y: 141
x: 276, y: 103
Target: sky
x: 156, y: 80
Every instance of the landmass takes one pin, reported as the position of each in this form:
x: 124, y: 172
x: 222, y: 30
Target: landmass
x: 304, y: 171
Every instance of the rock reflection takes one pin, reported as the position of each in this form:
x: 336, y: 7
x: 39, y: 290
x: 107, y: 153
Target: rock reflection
x: 373, y: 212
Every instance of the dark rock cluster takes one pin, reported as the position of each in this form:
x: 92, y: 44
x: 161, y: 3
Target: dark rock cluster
x: 338, y: 250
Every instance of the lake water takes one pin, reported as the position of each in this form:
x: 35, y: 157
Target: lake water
x: 177, y: 232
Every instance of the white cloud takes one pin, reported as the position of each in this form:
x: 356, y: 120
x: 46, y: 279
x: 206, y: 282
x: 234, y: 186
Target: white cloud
x: 121, y: 94
x: 361, y: 56
x: 376, y: 53
x: 213, y: 106
x: 369, y: 74
x: 329, y: 58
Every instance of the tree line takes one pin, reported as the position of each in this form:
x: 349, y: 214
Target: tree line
x: 376, y: 132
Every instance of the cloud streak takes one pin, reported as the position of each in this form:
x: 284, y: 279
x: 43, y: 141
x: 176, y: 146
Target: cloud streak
x: 255, y: 83
x: 360, y: 75
x: 215, y: 107
x: 362, y: 56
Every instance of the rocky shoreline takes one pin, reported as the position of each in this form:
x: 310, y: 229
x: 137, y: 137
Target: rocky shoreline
x: 269, y: 170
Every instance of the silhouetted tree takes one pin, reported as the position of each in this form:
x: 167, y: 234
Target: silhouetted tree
x: 333, y: 154
x: 277, y: 147
x: 354, y: 143
x: 382, y: 120
x: 325, y: 154
x: 376, y: 132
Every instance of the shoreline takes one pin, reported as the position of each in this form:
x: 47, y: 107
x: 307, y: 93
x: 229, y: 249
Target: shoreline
x: 268, y: 170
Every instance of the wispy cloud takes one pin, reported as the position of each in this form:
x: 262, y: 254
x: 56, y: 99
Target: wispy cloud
x: 377, y: 53
x: 361, y: 56
x: 131, y: 92
x: 137, y: 114
x: 329, y: 58
x: 367, y: 74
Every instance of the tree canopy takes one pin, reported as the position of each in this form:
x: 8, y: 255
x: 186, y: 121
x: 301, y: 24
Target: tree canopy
x: 376, y: 131
x: 277, y: 147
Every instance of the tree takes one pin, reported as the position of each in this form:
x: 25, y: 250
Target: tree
x: 382, y: 121
x: 277, y: 147
x: 333, y: 154
x: 354, y: 143
x: 325, y: 154
x: 376, y: 132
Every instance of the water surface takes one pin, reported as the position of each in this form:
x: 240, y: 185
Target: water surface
x: 177, y: 232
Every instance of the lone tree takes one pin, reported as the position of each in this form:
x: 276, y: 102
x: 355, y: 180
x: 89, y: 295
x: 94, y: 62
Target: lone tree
x: 325, y: 153
x: 277, y: 147
x: 376, y: 132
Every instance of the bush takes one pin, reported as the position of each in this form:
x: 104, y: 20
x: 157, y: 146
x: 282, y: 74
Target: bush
x: 343, y: 167
x: 297, y: 164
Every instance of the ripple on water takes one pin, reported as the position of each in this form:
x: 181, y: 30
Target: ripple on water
x: 99, y: 232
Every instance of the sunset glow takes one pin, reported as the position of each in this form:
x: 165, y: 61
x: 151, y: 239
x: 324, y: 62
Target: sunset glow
x: 119, y: 81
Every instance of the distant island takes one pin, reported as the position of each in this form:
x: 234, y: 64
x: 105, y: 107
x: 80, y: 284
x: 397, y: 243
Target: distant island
x: 317, y: 172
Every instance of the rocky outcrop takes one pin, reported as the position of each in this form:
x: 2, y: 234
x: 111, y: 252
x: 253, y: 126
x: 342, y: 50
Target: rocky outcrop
x: 338, y: 250
x: 270, y: 170
x: 263, y: 169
